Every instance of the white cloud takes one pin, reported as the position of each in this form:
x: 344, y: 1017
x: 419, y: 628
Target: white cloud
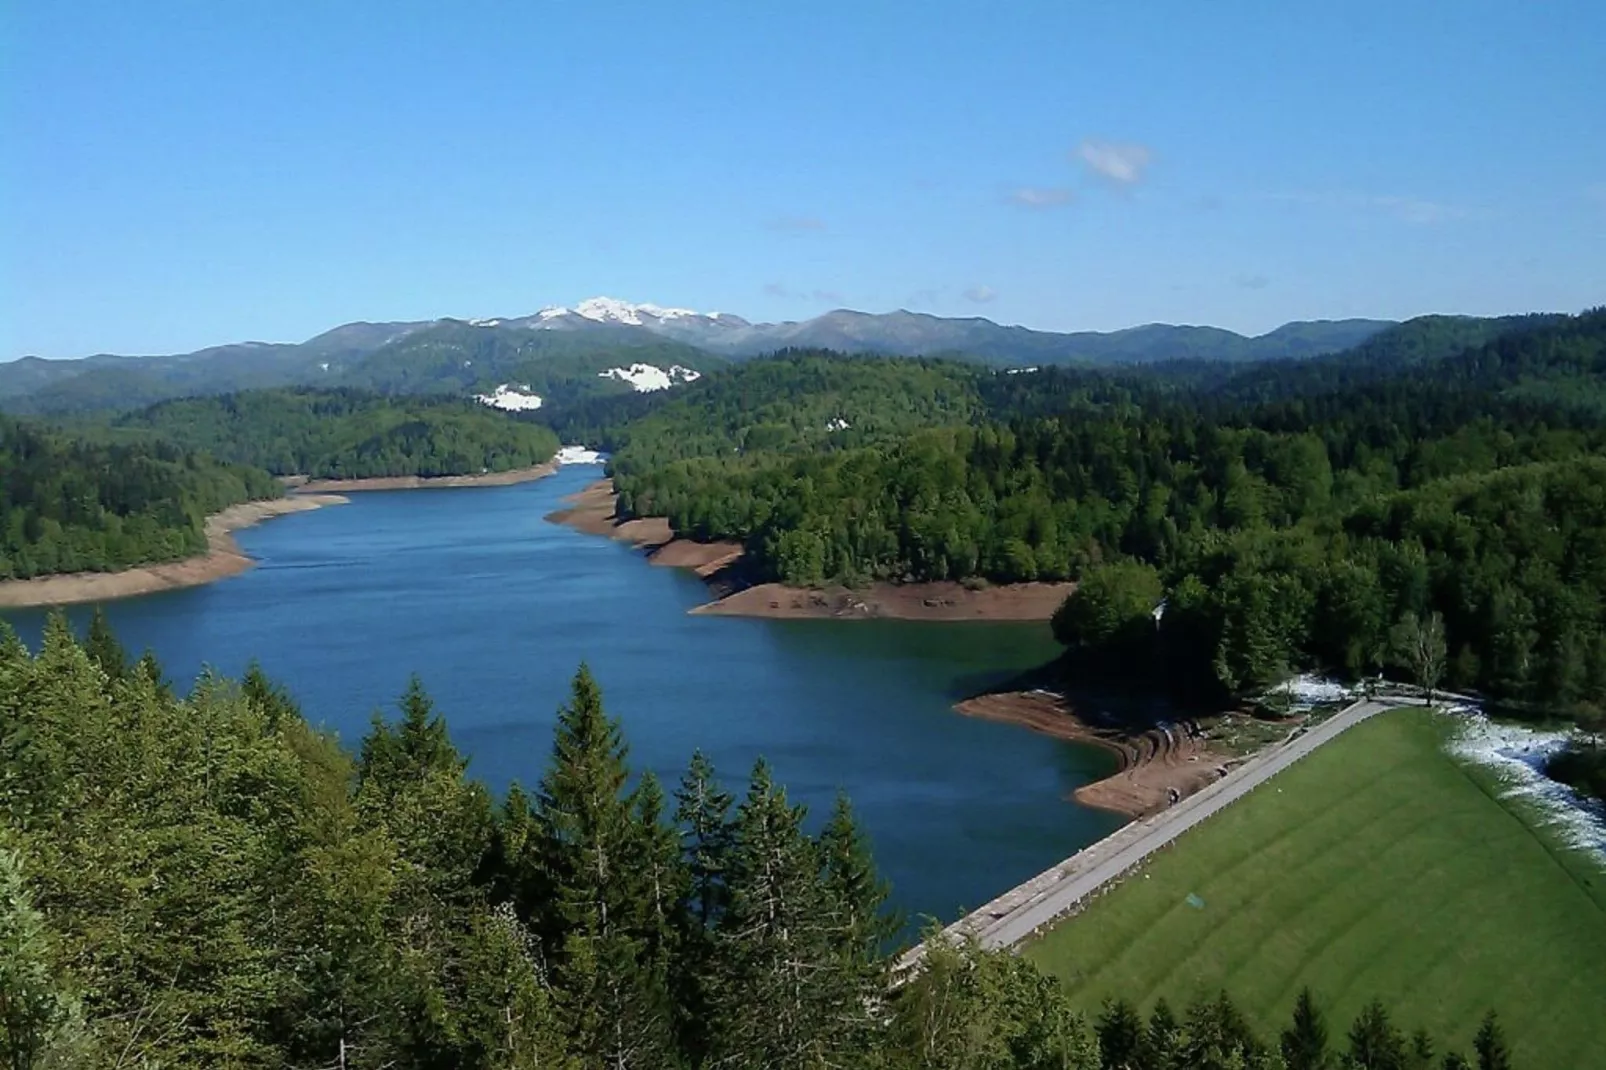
x: 1122, y: 164
x: 1040, y: 197
x: 981, y: 294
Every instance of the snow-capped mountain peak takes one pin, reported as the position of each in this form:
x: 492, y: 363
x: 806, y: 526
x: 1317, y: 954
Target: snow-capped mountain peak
x: 613, y: 310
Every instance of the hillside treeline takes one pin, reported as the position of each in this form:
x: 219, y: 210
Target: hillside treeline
x: 349, y: 434
x: 208, y: 881
x: 68, y: 504
x: 1285, y: 533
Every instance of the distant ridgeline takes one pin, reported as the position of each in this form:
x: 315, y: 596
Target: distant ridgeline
x: 211, y: 881
x: 349, y: 433
x: 1291, y: 514
x: 68, y: 504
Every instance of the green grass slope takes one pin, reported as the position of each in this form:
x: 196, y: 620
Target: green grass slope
x: 1376, y: 867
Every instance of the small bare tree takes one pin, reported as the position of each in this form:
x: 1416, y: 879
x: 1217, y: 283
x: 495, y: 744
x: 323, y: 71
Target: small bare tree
x: 1421, y: 650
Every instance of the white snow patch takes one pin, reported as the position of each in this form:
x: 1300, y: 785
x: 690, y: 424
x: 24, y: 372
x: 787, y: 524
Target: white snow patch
x: 1301, y: 692
x: 323, y: 365
x: 838, y: 424
x: 1517, y: 754
x: 511, y: 398
x: 1019, y: 371
x: 578, y: 455
x: 648, y: 377
x: 552, y: 313
x: 484, y: 323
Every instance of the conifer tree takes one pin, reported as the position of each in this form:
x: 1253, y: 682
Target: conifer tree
x: 1454, y: 1060
x: 1160, y: 1038
x: 1374, y: 1042
x: 611, y: 997
x: 778, y: 999
x: 270, y: 698
x: 1304, y: 1043
x: 1490, y: 1044
x: 39, y: 1026
x: 1422, y: 1053
x: 857, y: 896
x: 102, y: 645
x: 1120, y: 1033
x: 703, y: 815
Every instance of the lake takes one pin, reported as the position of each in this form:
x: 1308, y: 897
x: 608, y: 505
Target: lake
x: 494, y: 608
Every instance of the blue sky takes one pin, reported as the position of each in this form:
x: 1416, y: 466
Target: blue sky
x: 182, y: 174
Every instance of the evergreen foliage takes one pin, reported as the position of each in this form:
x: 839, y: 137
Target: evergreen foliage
x: 70, y: 504
x: 349, y: 434
x: 209, y: 881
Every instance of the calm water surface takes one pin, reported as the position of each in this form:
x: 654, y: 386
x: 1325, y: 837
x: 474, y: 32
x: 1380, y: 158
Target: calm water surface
x: 494, y: 608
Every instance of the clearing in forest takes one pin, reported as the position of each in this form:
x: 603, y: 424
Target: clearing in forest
x: 1377, y: 866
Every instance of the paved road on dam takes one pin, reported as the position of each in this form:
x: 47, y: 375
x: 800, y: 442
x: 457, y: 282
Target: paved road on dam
x: 1015, y: 916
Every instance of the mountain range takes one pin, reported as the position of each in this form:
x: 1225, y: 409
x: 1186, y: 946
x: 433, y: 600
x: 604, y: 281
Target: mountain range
x: 561, y: 352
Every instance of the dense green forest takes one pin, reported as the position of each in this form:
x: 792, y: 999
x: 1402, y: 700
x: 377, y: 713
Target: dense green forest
x: 1291, y: 520
x: 69, y: 504
x: 349, y: 433
x: 210, y: 881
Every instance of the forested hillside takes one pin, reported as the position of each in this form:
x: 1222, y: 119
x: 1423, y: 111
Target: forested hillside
x: 1268, y: 513
x: 349, y: 433
x: 69, y: 505
x: 209, y: 881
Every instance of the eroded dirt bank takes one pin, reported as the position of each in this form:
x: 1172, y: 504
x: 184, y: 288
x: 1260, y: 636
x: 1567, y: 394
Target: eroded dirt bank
x: 593, y: 510
x: 222, y: 558
x: 1154, y: 762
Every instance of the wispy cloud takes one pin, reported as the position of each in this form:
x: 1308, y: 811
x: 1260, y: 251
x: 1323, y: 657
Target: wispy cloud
x: 981, y: 294
x: 1251, y: 282
x: 1039, y: 197
x: 786, y: 293
x: 797, y: 223
x: 1120, y: 163
x: 1415, y: 210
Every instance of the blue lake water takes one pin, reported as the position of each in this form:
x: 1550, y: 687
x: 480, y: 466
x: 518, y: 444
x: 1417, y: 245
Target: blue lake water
x: 494, y: 608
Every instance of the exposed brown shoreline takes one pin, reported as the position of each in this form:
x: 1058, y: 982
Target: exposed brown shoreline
x: 594, y: 511
x: 222, y: 558
x: 302, y: 485
x: 1153, y: 762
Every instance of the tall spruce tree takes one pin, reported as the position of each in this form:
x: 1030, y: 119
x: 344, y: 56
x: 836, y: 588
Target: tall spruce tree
x: 1304, y: 1043
x: 1161, y: 1037
x: 863, y: 927
x: 612, y: 996
x: 102, y: 645
x: 703, y: 815
x: 1374, y: 1042
x: 1490, y: 1044
x: 780, y: 995
x: 1120, y: 1032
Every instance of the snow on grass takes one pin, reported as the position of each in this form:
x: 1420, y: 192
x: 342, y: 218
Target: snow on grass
x: 645, y: 378
x: 1302, y: 692
x: 1517, y: 754
x: 578, y: 455
x: 510, y: 398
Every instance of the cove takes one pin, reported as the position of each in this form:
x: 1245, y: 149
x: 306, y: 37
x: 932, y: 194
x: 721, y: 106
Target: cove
x: 494, y: 608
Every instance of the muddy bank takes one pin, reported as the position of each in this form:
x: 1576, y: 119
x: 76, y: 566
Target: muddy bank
x: 1154, y: 762
x: 222, y: 558
x: 593, y: 510
x: 303, y: 485
x: 945, y: 601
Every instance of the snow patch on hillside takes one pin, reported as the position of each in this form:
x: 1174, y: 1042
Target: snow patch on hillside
x: 578, y: 455
x: 1517, y: 754
x: 511, y: 398
x: 838, y: 424
x: 648, y: 377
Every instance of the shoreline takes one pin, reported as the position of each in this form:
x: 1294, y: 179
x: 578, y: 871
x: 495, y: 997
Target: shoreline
x: 1152, y: 762
x: 594, y: 512
x: 223, y: 558
x: 306, y: 485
